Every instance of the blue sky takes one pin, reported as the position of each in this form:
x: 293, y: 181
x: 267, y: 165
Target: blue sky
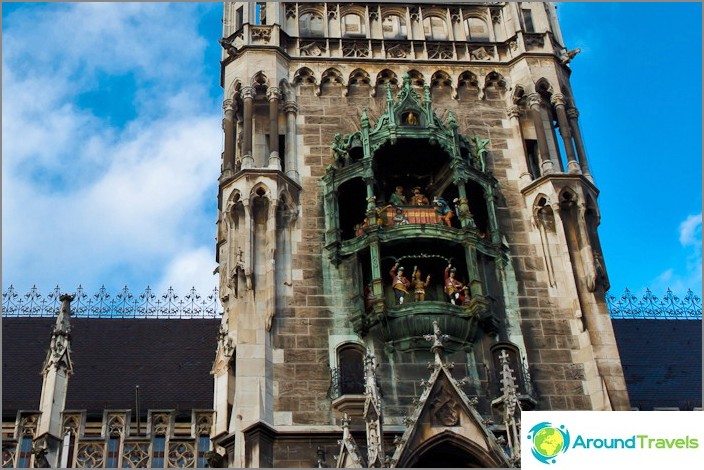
x: 111, y: 141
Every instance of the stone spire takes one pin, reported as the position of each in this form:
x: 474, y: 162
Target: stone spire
x: 373, y: 415
x: 510, y: 405
x: 58, y: 367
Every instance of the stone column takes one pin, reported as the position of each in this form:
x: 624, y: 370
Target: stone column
x: 546, y: 165
x: 475, y: 285
x: 558, y: 100
x: 371, y: 199
x: 290, y: 108
x: 228, y: 126
x: 514, y: 113
x: 248, y: 99
x: 274, y: 96
x: 573, y: 114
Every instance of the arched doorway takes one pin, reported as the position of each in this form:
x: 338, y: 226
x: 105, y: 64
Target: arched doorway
x: 452, y: 450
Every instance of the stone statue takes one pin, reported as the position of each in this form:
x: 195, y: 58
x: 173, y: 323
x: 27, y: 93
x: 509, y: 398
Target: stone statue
x: 40, y: 460
x: 567, y: 56
x: 338, y: 148
x: 369, y: 297
x: 411, y: 119
x: 478, y: 151
x: 214, y: 459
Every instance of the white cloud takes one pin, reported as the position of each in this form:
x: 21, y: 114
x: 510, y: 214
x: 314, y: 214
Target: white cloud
x: 691, y: 230
x: 688, y: 275
x: 193, y: 269
x: 88, y: 202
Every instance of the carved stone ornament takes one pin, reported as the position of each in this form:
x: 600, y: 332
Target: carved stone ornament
x: 398, y: 51
x: 28, y: 425
x: 355, y: 49
x: 39, y: 451
x: 228, y: 46
x: 534, y: 40
x: 312, y: 49
x: 214, y: 459
x: 440, y: 52
x: 261, y: 34
x: 90, y: 455
x: 116, y: 425
x: 290, y: 10
x: 181, y: 455
x: 446, y: 408
x: 72, y: 424
x: 160, y: 424
x: 204, y: 424
x: 481, y: 53
x: 135, y: 455
x: 8, y: 455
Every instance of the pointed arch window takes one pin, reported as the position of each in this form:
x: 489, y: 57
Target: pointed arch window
x: 350, y: 365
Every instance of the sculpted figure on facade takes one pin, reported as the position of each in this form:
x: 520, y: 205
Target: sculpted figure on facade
x: 398, y: 198
x: 443, y: 211
x: 452, y: 286
x: 400, y: 217
x: 463, y: 212
x: 400, y: 283
x: 419, y: 284
x: 418, y: 198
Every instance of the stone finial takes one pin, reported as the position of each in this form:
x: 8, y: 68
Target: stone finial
x: 59, y: 354
x: 438, y: 339
x: 62, y: 322
x: 509, y: 399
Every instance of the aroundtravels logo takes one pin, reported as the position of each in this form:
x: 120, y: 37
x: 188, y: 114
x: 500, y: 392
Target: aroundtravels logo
x: 548, y: 441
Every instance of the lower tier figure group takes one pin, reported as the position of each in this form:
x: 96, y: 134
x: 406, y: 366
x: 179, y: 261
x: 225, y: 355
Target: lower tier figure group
x: 455, y: 291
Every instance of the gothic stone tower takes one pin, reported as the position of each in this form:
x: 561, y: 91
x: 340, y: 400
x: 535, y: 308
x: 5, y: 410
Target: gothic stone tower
x: 338, y: 119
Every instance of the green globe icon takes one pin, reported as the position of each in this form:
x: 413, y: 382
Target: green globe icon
x: 548, y: 442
